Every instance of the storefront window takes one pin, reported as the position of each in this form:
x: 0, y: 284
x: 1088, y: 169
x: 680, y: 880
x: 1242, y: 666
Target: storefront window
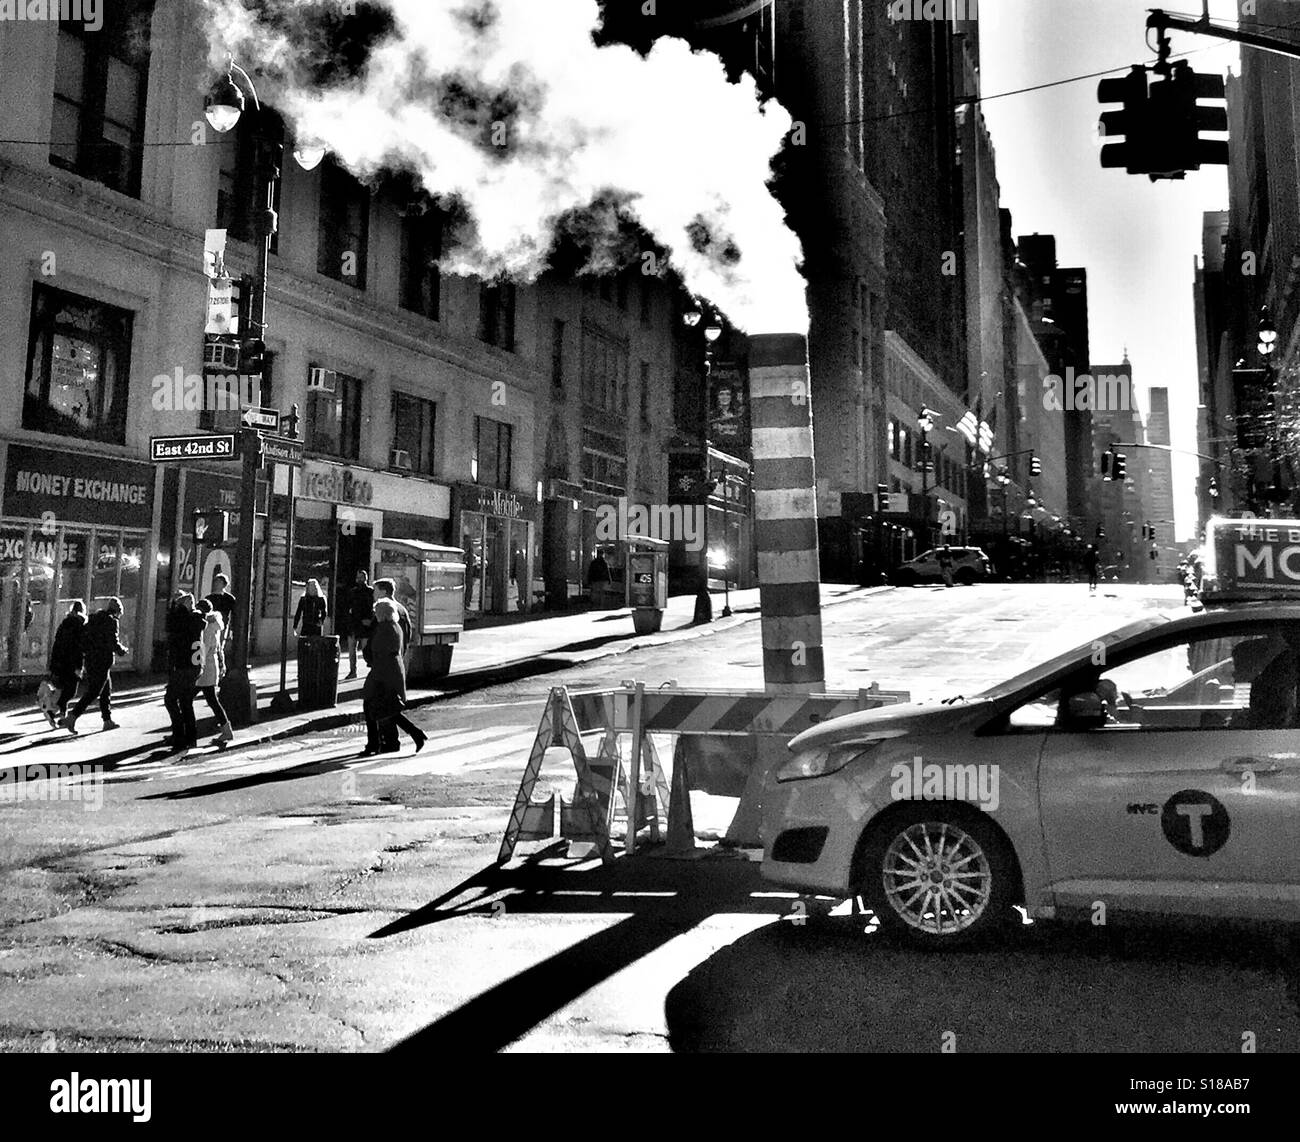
x: 471, y: 539
x: 42, y: 550
x: 520, y: 589
x: 14, y: 611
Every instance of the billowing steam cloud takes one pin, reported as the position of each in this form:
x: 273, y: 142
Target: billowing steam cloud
x: 510, y: 107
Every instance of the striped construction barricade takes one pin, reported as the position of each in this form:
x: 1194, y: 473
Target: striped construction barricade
x: 722, y: 737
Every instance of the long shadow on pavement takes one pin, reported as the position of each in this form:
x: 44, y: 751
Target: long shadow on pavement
x: 827, y: 986
x: 665, y: 899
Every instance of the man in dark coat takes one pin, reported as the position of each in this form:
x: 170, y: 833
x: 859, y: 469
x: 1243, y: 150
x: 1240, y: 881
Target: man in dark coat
x: 361, y: 617
x: 66, y: 656
x: 101, y: 644
x: 184, y: 659
x: 384, y: 692
x: 223, y: 602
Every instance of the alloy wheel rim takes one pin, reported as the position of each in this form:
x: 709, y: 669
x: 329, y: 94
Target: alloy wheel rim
x: 937, y: 878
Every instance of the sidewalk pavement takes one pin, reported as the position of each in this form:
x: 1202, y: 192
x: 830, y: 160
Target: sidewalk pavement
x: 483, y: 657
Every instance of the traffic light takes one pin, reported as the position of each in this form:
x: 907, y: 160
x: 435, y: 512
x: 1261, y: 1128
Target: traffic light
x: 1119, y: 467
x: 1153, y: 533
x: 1131, y: 121
x: 1035, y: 465
x: 1107, y: 458
x: 1162, y: 124
x: 882, y: 497
x: 1191, y: 119
x: 252, y: 357
x: 1214, y: 488
x: 212, y: 527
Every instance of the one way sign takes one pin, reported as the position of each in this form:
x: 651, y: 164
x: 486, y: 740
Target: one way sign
x: 263, y: 418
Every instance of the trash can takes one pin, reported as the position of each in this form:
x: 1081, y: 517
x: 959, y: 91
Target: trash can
x: 318, y: 672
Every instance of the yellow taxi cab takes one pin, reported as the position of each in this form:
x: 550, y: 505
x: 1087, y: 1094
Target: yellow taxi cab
x: 1153, y: 771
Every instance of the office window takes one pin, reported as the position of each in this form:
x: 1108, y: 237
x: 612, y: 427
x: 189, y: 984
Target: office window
x: 100, y: 79
x: 492, y: 441
x: 78, y: 367
x: 496, y: 315
x: 420, y: 278
x: 334, y: 419
x: 557, y: 353
x: 240, y: 193
x: 604, y: 371
x: 412, y: 420
x: 645, y: 392
x: 344, y: 226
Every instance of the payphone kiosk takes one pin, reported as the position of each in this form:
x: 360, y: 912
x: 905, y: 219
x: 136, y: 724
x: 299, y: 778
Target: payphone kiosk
x: 430, y: 583
x: 646, y: 582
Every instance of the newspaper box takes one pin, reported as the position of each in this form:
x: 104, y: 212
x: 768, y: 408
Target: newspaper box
x: 431, y: 586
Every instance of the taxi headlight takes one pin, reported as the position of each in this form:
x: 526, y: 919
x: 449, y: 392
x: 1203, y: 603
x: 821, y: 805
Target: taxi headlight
x: 822, y: 761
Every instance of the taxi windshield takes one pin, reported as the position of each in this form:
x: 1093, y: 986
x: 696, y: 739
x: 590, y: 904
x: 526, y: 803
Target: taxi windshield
x: 1043, y: 670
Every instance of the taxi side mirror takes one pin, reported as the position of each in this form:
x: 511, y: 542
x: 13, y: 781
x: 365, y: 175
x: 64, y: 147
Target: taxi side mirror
x: 1085, y: 710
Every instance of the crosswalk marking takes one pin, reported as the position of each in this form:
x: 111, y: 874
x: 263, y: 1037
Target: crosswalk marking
x: 489, y: 746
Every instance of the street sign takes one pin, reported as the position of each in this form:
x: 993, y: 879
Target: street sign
x: 281, y: 450
x: 222, y: 316
x: 263, y: 418
x: 201, y: 446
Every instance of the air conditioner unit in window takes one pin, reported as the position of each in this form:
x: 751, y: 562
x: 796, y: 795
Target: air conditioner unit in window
x: 400, y: 459
x: 321, y: 380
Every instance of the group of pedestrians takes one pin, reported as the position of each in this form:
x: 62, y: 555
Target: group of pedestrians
x: 383, y: 696
x: 198, y: 635
x: 85, y: 649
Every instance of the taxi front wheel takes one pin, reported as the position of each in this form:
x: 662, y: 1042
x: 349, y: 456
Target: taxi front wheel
x: 939, y: 877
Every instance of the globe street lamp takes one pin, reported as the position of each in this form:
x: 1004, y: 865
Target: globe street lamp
x: 925, y: 423
x: 712, y: 331
x: 223, y: 107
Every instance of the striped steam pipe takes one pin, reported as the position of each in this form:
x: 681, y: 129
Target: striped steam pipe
x: 785, y: 527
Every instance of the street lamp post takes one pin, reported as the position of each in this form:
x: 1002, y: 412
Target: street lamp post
x: 224, y: 105
x: 712, y: 331
x: 925, y: 423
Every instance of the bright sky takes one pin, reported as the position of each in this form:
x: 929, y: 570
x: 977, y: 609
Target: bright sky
x: 1136, y: 238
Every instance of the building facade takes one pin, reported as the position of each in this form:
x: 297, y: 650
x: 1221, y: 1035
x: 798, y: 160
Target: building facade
x: 486, y: 415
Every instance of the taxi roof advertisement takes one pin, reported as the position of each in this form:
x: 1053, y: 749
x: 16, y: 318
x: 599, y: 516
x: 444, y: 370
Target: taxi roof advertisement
x: 1255, y: 556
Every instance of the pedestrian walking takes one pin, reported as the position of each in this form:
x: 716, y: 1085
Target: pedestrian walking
x: 1092, y: 561
x: 384, y: 693
x: 100, y: 641
x: 67, y: 657
x: 361, y: 617
x: 185, y: 630
x: 387, y: 589
x: 223, y: 602
x: 945, y: 564
x: 312, y: 611
x: 212, y: 666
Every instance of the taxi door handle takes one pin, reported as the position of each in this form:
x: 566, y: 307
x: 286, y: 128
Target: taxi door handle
x: 1249, y: 764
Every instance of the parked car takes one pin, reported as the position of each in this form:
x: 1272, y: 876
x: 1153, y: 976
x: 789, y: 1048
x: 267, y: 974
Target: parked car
x: 969, y: 565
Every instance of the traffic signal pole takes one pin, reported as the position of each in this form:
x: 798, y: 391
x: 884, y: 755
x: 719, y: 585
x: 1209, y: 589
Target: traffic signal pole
x: 238, y: 691
x: 1162, y: 21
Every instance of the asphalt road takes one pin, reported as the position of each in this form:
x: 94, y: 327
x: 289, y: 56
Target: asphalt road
x: 294, y: 897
